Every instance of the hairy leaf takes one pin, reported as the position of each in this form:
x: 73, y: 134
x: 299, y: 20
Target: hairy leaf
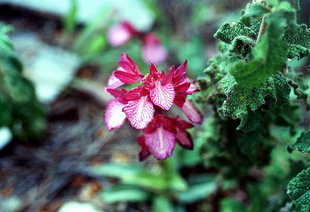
x: 303, y: 143
x: 227, y: 32
x: 298, y: 42
x: 269, y: 55
x: 299, y: 190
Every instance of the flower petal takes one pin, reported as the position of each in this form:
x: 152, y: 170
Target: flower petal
x: 144, y: 152
x: 114, y: 116
x: 191, y: 112
x: 139, y: 112
x: 153, y: 51
x: 162, y: 95
x: 193, y: 88
x: 184, y: 139
x: 118, y: 35
x: 114, y: 82
x: 160, y: 143
x: 127, y: 72
x: 125, y: 77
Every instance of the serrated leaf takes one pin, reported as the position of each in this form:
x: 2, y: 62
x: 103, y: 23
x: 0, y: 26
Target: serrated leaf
x: 303, y: 143
x: 298, y: 42
x: 299, y: 190
x: 227, y: 32
x: 240, y: 102
x: 269, y: 55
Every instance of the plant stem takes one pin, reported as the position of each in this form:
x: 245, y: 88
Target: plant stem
x: 262, y: 28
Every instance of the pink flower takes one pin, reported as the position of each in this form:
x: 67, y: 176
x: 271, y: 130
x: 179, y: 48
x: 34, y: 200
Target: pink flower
x: 153, y: 51
x: 155, y: 93
x: 121, y: 33
x: 139, y: 109
x: 161, y: 135
x: 161, y: 90
x: 127, y: 73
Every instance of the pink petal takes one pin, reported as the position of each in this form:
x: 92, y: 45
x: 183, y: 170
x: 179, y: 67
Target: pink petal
x: 144, y: 152
x: 160, y: 143
x: 162, y: 95
x: 126, y: 77
x: 191, y: 112
x: 118, y: 35
x: 139, y: 112
x: 179, y: 75
x: 114, y: 82
x: 128, y: 71
x: 114, y: 116
x: 128, y: 65
x: 193, y: 87
x: 184, y: 139
x: 154, y: 54
x: 153, y: 51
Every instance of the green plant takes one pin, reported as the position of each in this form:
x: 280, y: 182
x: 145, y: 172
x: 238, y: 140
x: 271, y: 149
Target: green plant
x: 162, y: 185
x: 253, y: 87
x: 20, y: 110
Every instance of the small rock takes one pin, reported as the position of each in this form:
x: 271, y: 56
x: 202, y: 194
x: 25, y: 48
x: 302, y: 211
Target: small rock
x: 5, y: 136
x: 50, y: 68
x: 78, y: 207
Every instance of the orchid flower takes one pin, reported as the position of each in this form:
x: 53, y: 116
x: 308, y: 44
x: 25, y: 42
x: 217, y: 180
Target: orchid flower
x: 152, y: 50
x: 121, y: 33
x: 142, y: 106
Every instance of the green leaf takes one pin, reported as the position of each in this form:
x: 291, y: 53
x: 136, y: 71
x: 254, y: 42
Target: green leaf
x: 298, y: 42
x: 124, y: 194
x: 303, y: 143
x: 116, y: 170
x: 70, y: 20
x: 227, y: 32
x: 299, y: 190
x: 231, y: 205
x: 241, y: 101
x: 269, y: 55
x: 162, y: 204
x: 19, y: 107
x: 197, y: 191
x: 133, y: 175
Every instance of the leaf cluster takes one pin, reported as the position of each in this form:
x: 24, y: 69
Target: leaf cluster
x: 252, y: 87
x: 20, y: 110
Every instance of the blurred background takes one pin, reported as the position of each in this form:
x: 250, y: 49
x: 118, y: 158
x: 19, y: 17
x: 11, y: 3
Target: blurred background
x: 59, y: 156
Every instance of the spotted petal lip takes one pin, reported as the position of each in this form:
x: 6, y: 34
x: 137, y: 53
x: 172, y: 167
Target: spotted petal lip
x: 160, y: 143
x: 162, y: 95
x: 139, y: 112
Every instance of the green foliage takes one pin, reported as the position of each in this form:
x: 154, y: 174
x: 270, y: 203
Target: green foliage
x: 298, y: 42
x: 303, y: 143
x: 299, y: 190
x: 70, y: 20
x: 20, y: 110
x: 252, y: 87
x: 163, y: 185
